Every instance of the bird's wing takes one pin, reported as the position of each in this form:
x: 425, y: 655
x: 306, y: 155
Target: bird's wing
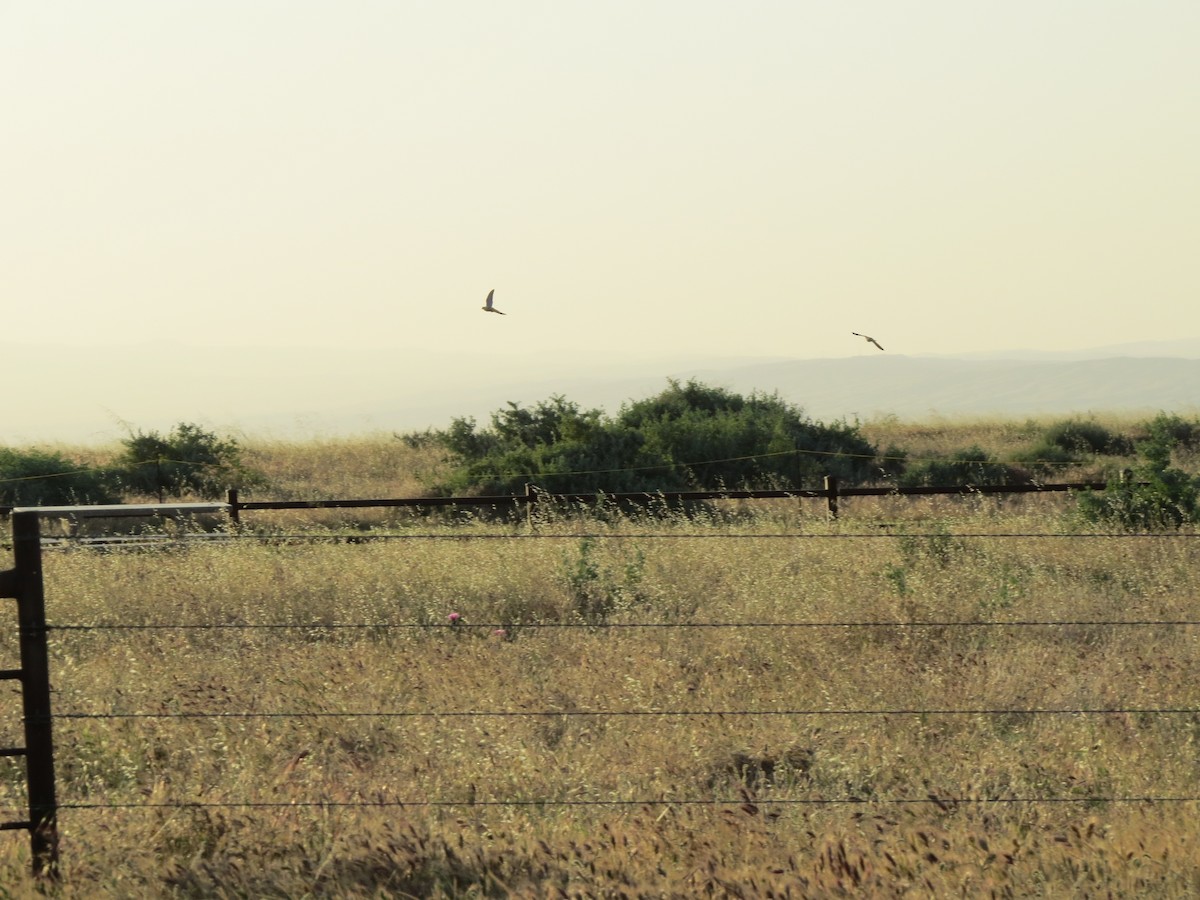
x: 489, y: 298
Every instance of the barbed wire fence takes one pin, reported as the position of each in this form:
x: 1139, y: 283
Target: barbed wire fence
x: 11, y: 486
x: 25, y: 583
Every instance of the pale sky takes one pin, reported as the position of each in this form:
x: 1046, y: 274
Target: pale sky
x: 687, y: 178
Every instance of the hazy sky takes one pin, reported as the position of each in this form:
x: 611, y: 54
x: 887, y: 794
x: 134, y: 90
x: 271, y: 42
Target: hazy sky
x: 685, y: 178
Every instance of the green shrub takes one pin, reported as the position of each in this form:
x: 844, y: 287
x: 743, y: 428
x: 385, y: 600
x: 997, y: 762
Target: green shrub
x: 717, y: 438
x: 689, y: 436
x: 38, y: 478
x: 970, y: 466
x: 418, y: 440
x: 555, y: 444
x: 1047, y: 460
x: 187, y: 461
x: 1076, y: 436
x: 596, y: 590
x: 1070, y: 443
x: 1173, y: 430
x: 1158, y: 496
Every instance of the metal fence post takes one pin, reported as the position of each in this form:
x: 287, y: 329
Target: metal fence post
x: 26, y: 583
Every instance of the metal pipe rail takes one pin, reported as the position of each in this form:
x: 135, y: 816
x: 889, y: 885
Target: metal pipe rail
x: 533, y: 495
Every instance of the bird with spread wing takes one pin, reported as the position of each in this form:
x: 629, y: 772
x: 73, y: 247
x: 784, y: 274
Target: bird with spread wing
x: 868, y: 339
x: 487, y: 306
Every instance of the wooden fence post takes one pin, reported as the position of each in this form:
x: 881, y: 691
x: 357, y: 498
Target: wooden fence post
x: 234, y: 512
x: 25, y: 583
x: 831, y: 488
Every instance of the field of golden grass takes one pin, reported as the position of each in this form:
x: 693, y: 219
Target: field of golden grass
x: 688, y: 706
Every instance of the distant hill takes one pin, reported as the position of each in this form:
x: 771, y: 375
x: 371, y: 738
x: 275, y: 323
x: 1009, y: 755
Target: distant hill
x: 89, y: 395
x: 907, y: 387
x: 915, y: 387
x: 1183, y: 348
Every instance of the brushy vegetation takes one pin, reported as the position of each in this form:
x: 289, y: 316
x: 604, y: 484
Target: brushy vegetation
x: 435, y: 621
x: 188, y: 461
x: 1153, y: 495
x: 688, y: 437
x: 47, y: 478
x: 971, y: 466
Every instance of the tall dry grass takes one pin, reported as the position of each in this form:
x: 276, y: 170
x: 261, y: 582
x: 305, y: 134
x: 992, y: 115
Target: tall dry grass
x: 759, y: 780
x: 939, y: 436
x: 373, y: 465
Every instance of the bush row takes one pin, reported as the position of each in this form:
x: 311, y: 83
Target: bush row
x: 688, y: 437
x: 187, y: 461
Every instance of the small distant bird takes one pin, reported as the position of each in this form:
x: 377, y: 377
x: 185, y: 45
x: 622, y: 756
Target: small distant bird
x: 487, y: 307
x: 866, y: 337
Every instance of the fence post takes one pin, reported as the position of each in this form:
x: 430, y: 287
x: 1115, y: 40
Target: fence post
x: 831, y: 496
x: 26, y: 584
x: 530, y: 500
x: 234, y: 513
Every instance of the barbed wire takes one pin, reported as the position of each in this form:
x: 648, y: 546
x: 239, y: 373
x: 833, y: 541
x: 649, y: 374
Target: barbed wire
x: 84, y: 470
x: 750, y: 804
x: 841, y: 454
x: 462, y: 626
x: 639, y: 713
x: 996, y: 464
x: 1064, y: 464
x: 753, y: 801
x: 712, y: 713
x: 886, y: 531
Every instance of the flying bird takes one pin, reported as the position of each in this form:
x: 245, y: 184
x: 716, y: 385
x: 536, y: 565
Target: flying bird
x: 866, y: 337
x: 487, y: 307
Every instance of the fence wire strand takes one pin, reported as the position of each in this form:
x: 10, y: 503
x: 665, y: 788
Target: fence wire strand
x: 885, y: 531
x: 635, y: 713
x: 748, y: 803
x: 755, y: 803
x: 618, y: 626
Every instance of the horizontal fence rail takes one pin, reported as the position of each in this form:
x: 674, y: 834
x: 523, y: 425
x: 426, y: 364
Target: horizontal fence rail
x: 534, y: 495
x: 234, y: 506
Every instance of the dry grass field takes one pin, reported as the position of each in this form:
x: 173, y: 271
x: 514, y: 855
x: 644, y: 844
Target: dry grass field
x: 624, y: 706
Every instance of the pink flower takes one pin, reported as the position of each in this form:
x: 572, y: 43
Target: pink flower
x: 454, y: 617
